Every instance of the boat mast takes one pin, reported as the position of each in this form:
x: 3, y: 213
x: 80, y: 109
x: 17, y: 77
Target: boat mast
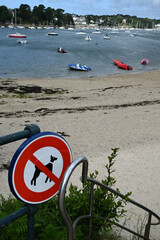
x: 15, y: 17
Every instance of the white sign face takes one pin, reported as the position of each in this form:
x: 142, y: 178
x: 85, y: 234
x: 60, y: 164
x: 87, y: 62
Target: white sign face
x: 38, y: 166
x: 42, y: 182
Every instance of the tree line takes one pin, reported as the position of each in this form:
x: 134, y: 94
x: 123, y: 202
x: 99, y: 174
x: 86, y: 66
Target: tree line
x: 56, y: 17
x: 123, y: 20
x: 38, y: 16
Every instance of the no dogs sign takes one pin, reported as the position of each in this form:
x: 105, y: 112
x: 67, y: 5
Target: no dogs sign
x: 38, y: 166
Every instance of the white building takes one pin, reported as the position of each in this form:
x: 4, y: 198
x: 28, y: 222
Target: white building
x: 79, y: 21
x: 157, y: 26
x: 124, y: 21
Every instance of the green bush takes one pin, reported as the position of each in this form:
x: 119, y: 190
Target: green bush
x: 106, y: 204
x: 48, y: 221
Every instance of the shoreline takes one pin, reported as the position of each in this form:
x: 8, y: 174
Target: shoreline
x: 93, y: 115
x: 123, y: 73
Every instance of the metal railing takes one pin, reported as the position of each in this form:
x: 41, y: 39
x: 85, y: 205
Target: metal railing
x: 28, y: 209
x: 71, y: 226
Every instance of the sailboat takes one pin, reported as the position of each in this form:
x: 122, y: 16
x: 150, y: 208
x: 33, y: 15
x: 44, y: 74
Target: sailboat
x: 16, y: 35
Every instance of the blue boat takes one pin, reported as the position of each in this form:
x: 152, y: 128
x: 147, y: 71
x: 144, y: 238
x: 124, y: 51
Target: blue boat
x: 78, y: 67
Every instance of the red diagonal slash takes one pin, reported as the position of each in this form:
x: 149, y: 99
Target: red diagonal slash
x: 43, y: 168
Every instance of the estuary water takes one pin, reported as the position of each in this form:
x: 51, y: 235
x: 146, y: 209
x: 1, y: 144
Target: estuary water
x: 38, y: 58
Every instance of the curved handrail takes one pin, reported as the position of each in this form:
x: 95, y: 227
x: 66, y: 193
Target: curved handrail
x: 62, y: 191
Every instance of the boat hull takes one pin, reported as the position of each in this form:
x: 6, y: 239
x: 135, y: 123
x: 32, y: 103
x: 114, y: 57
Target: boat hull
x: 61, y: 51
x: 52, y: 34
x: 17, y: 36
x: 122, y: 65
x: 78, y: 68
x: 125, y: 66
x: 117, y: 61
x: 106, y: 38
x: 144, y: 61
x: 21, y: 41
x: 88, y: 38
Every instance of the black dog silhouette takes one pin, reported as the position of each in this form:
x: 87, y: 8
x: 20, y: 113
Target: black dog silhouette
x: 38, y: 171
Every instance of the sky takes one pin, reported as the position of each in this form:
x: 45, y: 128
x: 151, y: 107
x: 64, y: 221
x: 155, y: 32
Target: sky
x: 139, y: 8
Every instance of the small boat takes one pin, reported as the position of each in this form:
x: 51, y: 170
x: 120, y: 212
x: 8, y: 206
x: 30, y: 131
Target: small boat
x: 70, y: 29
x: 116, y: 62
x: 133, y: 34
x: 106, y: 37
x: 60, y: 50
x: 78, y: 67
x: 96, y: 32
x: 125, y: 66
x: 17, y: 35
x: 52, y: 34
x: 144, y: 61
x: 21, y: 41
x: 80, y: 33
x: 11, y: 27
x: 114, y: 31
x: 88, y: 38
x: 122, y: 65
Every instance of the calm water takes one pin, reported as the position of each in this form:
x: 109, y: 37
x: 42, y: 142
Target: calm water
x: 39, y: 57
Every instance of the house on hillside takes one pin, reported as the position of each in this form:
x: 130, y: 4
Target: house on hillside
x: 157, y: 26
x: 79, y: 21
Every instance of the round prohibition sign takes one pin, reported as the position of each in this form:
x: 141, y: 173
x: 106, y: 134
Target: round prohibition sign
x: 38, y: 166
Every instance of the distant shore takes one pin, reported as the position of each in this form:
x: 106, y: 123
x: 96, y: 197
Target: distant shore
x: 93, y: 115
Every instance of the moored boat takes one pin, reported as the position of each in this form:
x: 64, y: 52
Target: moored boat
x: 116, y: 61
x: 60, y: 50
x: 17, y: 35
x: 78, y: 67
x: 122, y: 65
x: 21, y: 41
x: 106, y: 37
x: 96, y: 32
x: 80, y: 33
x: 144, y: 61
x: 125, y: 66
x: 52, y: 34
x: 88, y: 38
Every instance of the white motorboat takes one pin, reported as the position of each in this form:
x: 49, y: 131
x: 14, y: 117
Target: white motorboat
x: 52, y: 34
x: 21, y: 41
x: 31, y: 27
x: 11, y: 27
x: 80, y: 33
x: 88, y: 38
x: 70, y: 29
x: 96, y: 32
x: 78, y: 67
x: 106, y: 37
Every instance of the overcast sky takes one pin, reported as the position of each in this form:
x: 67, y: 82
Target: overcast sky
x: 139, y: 8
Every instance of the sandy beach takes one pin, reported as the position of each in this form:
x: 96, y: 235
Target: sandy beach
x: 94, y: 115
